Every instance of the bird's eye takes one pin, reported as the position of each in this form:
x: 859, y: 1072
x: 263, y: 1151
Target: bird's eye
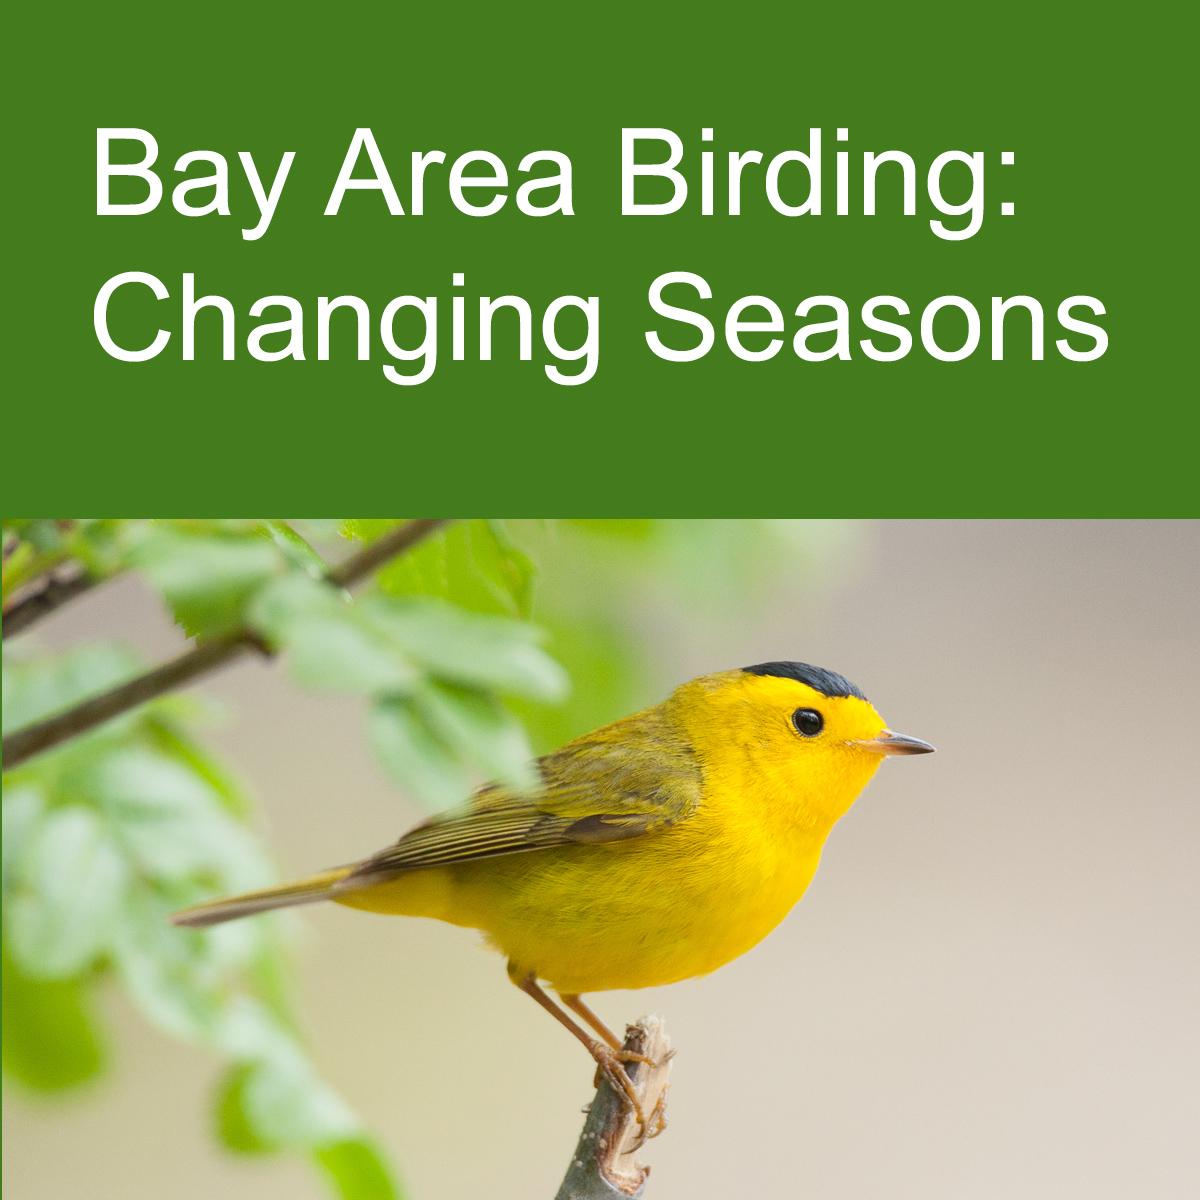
x: 808, y: 722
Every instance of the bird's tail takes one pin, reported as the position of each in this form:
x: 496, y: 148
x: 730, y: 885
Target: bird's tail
x: 303, y: 891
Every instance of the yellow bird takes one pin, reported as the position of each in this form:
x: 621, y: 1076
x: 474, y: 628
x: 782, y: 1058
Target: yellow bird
x: 655, y: 849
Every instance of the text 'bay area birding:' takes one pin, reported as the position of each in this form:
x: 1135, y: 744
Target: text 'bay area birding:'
x: 141, y: 315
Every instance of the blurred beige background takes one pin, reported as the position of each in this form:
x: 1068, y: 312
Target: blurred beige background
x: 991, y: 989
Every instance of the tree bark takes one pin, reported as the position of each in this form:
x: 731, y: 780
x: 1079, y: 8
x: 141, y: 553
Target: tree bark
x: 41, y: 597
x: 603, y: 1165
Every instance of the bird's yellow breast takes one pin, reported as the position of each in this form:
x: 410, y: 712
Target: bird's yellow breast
x: 626, y: 915
x: 637, y: 913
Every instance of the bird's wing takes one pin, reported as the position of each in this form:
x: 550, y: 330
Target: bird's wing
x: 624, y: 781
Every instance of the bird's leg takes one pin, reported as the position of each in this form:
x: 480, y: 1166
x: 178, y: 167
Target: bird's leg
x: 607, y: 1059
x: 576, y: 1004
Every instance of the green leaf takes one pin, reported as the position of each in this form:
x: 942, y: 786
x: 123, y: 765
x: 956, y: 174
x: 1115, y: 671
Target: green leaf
x: 67, y: 897
x: 629, y: 529
x: 44, y: 534
x: 596, y: 648
x: 368, y: 529
x: 426, y: 741
x: 321, y: 528
x: 141, y: 795
x: 234, y: 1127
x: 498, y: 556
x: 343, y: 656
x: 474, y: 564
x: 50, y: 1041
x: 172, y: 822
x: 172, y: 975
x: 43, y: 546
x: 293, y: 599
x: 470, y: 649
x: 34, y: 689
x: 208, y: 578
x: 164, y: 734
x: 415, y: 755
x: 290, y: 1105
x: 19, y: 559
x: 251, y: 1119
x: 479, y: 729
x: 330, y: 643
x: 358, y: 1170
x: 104, y: 547
x: 22, y: 808
x: 295, y: 548
x: 282, y: 1100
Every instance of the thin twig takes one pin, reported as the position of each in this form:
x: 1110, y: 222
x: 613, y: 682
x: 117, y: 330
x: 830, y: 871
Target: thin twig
x: 603, y: 1166
x: 199, y: 660
x: 370, y: 558
x: 46, y: 594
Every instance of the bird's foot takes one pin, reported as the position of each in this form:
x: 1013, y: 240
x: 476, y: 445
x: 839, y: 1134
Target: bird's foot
x: 631, y: 1056
x: 610, y: 1065
x: 606, y: 1055
x: 658, y: 1118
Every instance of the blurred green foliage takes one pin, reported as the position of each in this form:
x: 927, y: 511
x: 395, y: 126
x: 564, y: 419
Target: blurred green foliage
x: 110, y: 832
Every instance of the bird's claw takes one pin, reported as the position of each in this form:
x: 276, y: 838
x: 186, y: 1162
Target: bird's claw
x: 632, y: 1056
x: 610, y: 1065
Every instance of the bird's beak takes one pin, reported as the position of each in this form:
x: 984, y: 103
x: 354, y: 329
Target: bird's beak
x: 896, y: 743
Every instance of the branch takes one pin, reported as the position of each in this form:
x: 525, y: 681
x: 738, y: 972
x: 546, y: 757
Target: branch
x: 199, y: 660
x: 603, y: 1166
x: 43, y: 596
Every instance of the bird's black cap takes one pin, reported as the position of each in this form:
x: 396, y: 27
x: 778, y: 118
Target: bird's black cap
x: 828, y: 683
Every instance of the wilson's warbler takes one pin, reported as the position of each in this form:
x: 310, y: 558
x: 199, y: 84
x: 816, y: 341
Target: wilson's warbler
x: 656, y: 848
